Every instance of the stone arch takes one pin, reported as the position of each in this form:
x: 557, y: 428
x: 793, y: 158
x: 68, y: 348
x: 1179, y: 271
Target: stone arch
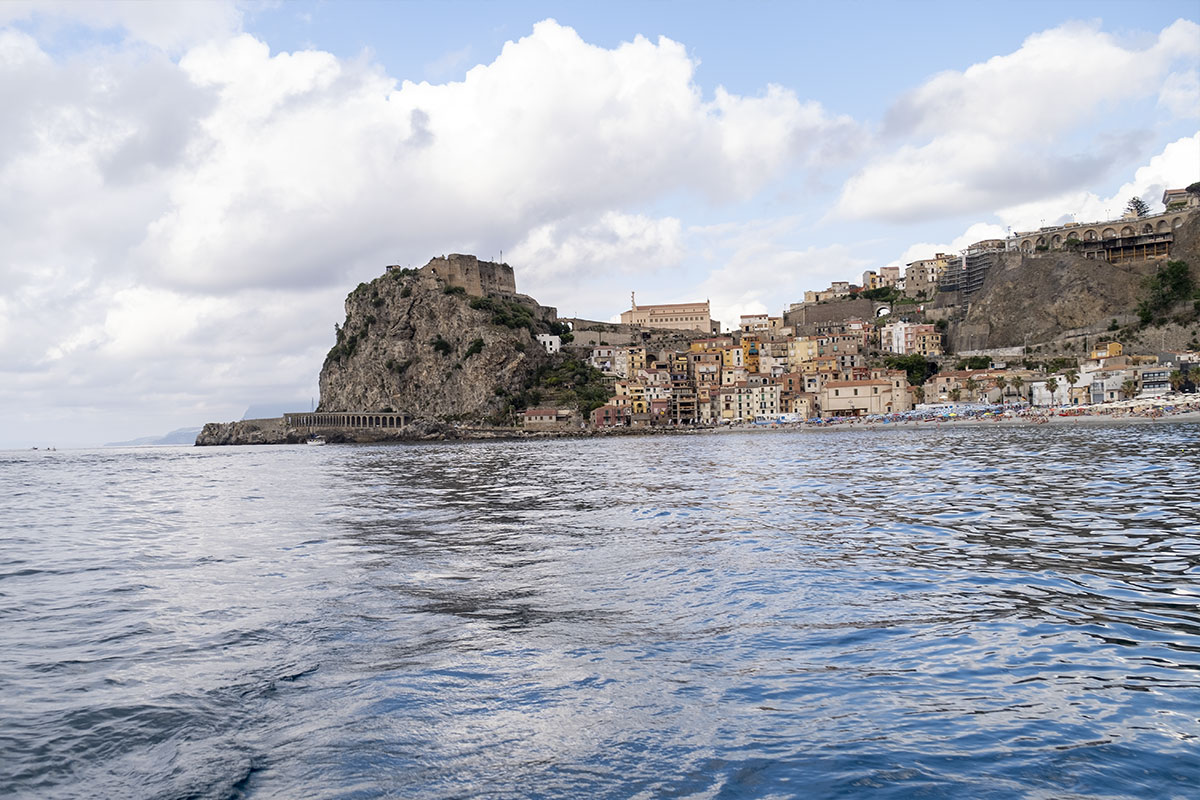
x: 1027, y: 245
x: 1109, y: 233
x: 1041, y: 241
x: 1178, y: 221
x: 1055, y: 240
x: 1147, y: 228
x: 1163, y: 226
x: 1127, y: 231
x: 1090, y: 235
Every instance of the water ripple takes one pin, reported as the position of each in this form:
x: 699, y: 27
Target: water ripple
x: 987, y: 612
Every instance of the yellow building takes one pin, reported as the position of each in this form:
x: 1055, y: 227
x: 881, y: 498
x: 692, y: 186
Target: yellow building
x: 733, y: 356
x: 672, y: 316
x: 750, y: 353
x: 709, y: 344
x: 637, y: 359
x: 801, y: 351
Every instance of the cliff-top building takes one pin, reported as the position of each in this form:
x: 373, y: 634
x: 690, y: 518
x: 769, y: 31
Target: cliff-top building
x: 672, y: 316
x: 479, y: 278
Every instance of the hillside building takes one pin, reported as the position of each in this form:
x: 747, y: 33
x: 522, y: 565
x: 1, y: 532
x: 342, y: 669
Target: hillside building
x: 671, y: 316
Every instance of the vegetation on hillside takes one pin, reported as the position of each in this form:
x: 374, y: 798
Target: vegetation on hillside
x: 919, y: 369
x: 884, y: 294
x: 566, y: 382
x: 974, y: 362
x: 1171, y: 283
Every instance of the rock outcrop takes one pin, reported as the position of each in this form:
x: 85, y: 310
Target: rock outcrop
x: 414, y: 343
x: 1048, y: 294
x: 249, y: 431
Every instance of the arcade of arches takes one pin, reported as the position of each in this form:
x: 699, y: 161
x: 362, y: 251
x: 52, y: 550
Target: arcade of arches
x: 349, y: 419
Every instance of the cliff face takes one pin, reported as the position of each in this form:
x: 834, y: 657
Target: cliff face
x: 1049, y: 294
x: 249, y: 431
x: 413, y: 343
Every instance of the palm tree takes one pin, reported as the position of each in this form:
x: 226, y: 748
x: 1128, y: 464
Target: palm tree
x: 919, y: 394
x: 971, y: 385
x: 1129, y: 388
x: 1177, y: 380
x: 1001, y: 384
x: 955, y: 394
x: 1017, y: 382
x: 1052, y: 387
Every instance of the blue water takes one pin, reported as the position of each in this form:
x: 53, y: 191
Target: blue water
x: 977, y: 613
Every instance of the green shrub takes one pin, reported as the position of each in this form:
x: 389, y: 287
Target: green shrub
x: 475, y: 349
x: 974, y: 362
x: 442, y: 346
x: 919, y: 370
x: 454, y: 290
x: 1171, y: 283
x: 406, y: 291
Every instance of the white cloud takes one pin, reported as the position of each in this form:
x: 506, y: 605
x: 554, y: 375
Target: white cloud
x: 761, y: 271
x: 614, y: 243
x: 1012, y: 126
x: 172, y: 228
x: 1181, y: 94
x: 168, y: 26
x: 975, y: 233
x: 308, y: 163
x: 1175, y: 167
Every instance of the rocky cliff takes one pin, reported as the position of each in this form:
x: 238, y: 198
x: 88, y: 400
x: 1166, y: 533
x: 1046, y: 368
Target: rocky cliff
x: 249, y: 431
x: 412, y: 342
x: 1048, y: 294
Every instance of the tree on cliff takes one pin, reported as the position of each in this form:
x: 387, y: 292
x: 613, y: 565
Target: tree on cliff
x: 1138, y: 206
x: 1193, y: 188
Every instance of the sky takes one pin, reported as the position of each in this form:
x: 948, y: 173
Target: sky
x: 189, y: 190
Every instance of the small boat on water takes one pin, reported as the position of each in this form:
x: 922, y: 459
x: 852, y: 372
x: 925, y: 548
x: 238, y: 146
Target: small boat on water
x: 315, y: 440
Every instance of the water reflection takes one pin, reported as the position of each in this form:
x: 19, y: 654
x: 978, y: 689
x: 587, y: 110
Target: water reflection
x: 983, y: 612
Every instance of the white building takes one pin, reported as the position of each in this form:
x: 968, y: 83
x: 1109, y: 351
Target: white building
x: 551, y: 342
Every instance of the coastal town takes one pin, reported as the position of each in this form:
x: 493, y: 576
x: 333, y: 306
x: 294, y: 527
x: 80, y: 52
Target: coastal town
x: 850, y: 351
x: 453, y: 350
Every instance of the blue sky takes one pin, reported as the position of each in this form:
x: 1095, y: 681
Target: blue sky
x: 189, y: 190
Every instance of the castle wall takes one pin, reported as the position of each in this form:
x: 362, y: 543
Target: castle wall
x: 479, y: 278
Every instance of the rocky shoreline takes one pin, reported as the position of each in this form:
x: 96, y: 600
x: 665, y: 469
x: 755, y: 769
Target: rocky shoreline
x: 276, y: 431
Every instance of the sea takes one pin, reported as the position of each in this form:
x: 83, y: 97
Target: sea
x: 931, y: 611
